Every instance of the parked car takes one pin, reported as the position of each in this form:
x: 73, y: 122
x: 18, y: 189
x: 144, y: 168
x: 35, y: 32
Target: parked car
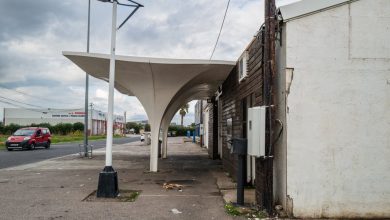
x: 29, y: 138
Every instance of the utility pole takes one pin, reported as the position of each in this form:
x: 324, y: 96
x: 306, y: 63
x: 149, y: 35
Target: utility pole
x: 91, y: 113
x: 266, y: 198
x: 87, y: 89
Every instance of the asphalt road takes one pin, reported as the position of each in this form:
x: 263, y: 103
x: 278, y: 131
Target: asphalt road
x: 17, y: 157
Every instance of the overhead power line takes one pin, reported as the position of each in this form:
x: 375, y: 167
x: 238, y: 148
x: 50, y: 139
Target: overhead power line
x: 12, y: 100
x: 220, y: 30
x: 40, y: 110
x: 26, y: 94
x: 19, y: 106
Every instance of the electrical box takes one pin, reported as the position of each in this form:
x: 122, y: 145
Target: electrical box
x: 256, y: 131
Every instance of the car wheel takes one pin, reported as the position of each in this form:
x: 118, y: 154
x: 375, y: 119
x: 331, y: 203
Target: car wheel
x: 9, y: 149
x: 47, y: 145
x: 32, y: 146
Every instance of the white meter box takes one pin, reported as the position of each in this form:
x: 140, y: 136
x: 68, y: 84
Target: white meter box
x: 256, y: 131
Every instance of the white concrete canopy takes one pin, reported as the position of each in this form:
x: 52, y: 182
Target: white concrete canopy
x: 161, y: 85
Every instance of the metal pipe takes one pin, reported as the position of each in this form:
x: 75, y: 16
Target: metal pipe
x: 87, y: 89
x: 240, y: 180
x: 111, y: 88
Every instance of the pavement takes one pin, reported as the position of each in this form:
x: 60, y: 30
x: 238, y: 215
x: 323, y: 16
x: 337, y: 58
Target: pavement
x: 56, y: 188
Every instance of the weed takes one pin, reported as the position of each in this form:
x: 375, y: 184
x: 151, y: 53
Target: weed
x: 130, y: 198
x: 231, y: 209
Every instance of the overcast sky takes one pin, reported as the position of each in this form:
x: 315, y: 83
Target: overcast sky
x: 33, y: 35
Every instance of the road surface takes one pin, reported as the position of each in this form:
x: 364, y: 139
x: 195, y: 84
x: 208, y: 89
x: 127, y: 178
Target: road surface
x: 17, y: 157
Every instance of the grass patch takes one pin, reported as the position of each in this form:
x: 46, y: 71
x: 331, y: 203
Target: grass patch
x: 55, y: 139
x: 3, y: 138
x: 130, y: 197
x: 248, y: 212
x: 124, y: 196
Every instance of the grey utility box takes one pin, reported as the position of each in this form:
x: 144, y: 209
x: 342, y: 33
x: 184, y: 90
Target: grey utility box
x: 240, y: 146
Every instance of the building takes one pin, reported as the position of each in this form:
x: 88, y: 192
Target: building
x: 142, y: 122
x: 331, y: 107
x: 96, y: 125
x: 203, y: 110
x: 326, y: 93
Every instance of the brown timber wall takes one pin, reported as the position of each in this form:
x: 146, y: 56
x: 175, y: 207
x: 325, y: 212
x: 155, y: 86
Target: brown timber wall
x: 232, y: 95
x: 213, y: 130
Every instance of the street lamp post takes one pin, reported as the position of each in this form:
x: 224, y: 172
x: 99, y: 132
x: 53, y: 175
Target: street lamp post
x: 108, y: 178
x: 86, y: 89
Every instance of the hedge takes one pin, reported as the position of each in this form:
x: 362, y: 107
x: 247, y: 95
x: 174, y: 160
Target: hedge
x: 60, y: 129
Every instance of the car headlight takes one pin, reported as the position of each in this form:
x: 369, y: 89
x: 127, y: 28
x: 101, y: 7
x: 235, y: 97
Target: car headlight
x: 26, y: 138
x: 9, y: 138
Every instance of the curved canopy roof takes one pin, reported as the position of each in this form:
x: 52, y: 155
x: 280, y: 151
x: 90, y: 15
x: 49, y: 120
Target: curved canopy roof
x: 161, y: 85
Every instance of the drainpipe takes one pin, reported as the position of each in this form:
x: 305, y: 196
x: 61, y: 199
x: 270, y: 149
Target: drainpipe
x: 201, y: 131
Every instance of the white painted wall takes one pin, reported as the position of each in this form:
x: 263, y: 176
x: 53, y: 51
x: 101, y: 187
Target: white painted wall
x: 206, y: 116
x: 338, y: 116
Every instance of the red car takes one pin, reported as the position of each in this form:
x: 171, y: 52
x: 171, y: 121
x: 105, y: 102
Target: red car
x: 29, y: 138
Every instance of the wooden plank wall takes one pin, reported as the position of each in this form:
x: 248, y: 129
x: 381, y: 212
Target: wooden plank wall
x: 234, y: 92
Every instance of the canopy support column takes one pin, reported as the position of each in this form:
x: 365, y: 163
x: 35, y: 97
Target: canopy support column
x: 155, y: 130
x: 165, y: 142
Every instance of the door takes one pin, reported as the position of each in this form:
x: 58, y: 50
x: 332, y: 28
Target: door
x: 38, y: 138
x: 45, y: 136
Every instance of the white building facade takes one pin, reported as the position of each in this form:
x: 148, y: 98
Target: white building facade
x: 96, y: 123
x: 334, y: 101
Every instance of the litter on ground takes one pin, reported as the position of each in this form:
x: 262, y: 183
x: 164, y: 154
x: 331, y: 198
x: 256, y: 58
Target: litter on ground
x: 172, y: 186
x: 175, y: 211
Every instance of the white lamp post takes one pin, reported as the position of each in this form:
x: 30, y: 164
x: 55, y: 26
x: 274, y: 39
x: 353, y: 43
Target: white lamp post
x: 108, y: 178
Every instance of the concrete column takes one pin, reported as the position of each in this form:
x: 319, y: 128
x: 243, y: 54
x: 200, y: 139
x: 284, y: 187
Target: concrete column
x: 155, y: 130
x: 165, y: 142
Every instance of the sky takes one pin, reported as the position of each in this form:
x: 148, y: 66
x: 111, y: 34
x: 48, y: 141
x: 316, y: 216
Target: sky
x: 33, y: 34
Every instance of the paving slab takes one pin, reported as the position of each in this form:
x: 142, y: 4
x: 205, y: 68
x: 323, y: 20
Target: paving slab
x: 56, y: 188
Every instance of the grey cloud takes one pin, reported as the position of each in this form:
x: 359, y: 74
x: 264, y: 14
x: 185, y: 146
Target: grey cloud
x: 21, y: 17
x: 175, y: 28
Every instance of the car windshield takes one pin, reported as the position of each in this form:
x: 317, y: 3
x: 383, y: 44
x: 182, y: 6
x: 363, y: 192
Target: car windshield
x: 24, y: 132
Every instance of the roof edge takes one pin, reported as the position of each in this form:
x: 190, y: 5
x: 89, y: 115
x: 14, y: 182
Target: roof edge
x: 308, y: 7
x: 148, y: 59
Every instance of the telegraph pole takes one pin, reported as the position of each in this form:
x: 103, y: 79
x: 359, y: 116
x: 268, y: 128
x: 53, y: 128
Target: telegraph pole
x: 87, y: 89
x: 266, y: 198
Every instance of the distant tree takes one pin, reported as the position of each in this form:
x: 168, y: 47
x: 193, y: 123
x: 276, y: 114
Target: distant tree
x: 11, y: 128
x: 180, y: 130
x: 183, y: 111
x: 47, y: 125
x: 135, y: 126
x: 147, y: 127
x: 1, y: 128
x: 63, y: 128
x: 78, y: 126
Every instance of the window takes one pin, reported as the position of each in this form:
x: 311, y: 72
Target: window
x: 242, y: 66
